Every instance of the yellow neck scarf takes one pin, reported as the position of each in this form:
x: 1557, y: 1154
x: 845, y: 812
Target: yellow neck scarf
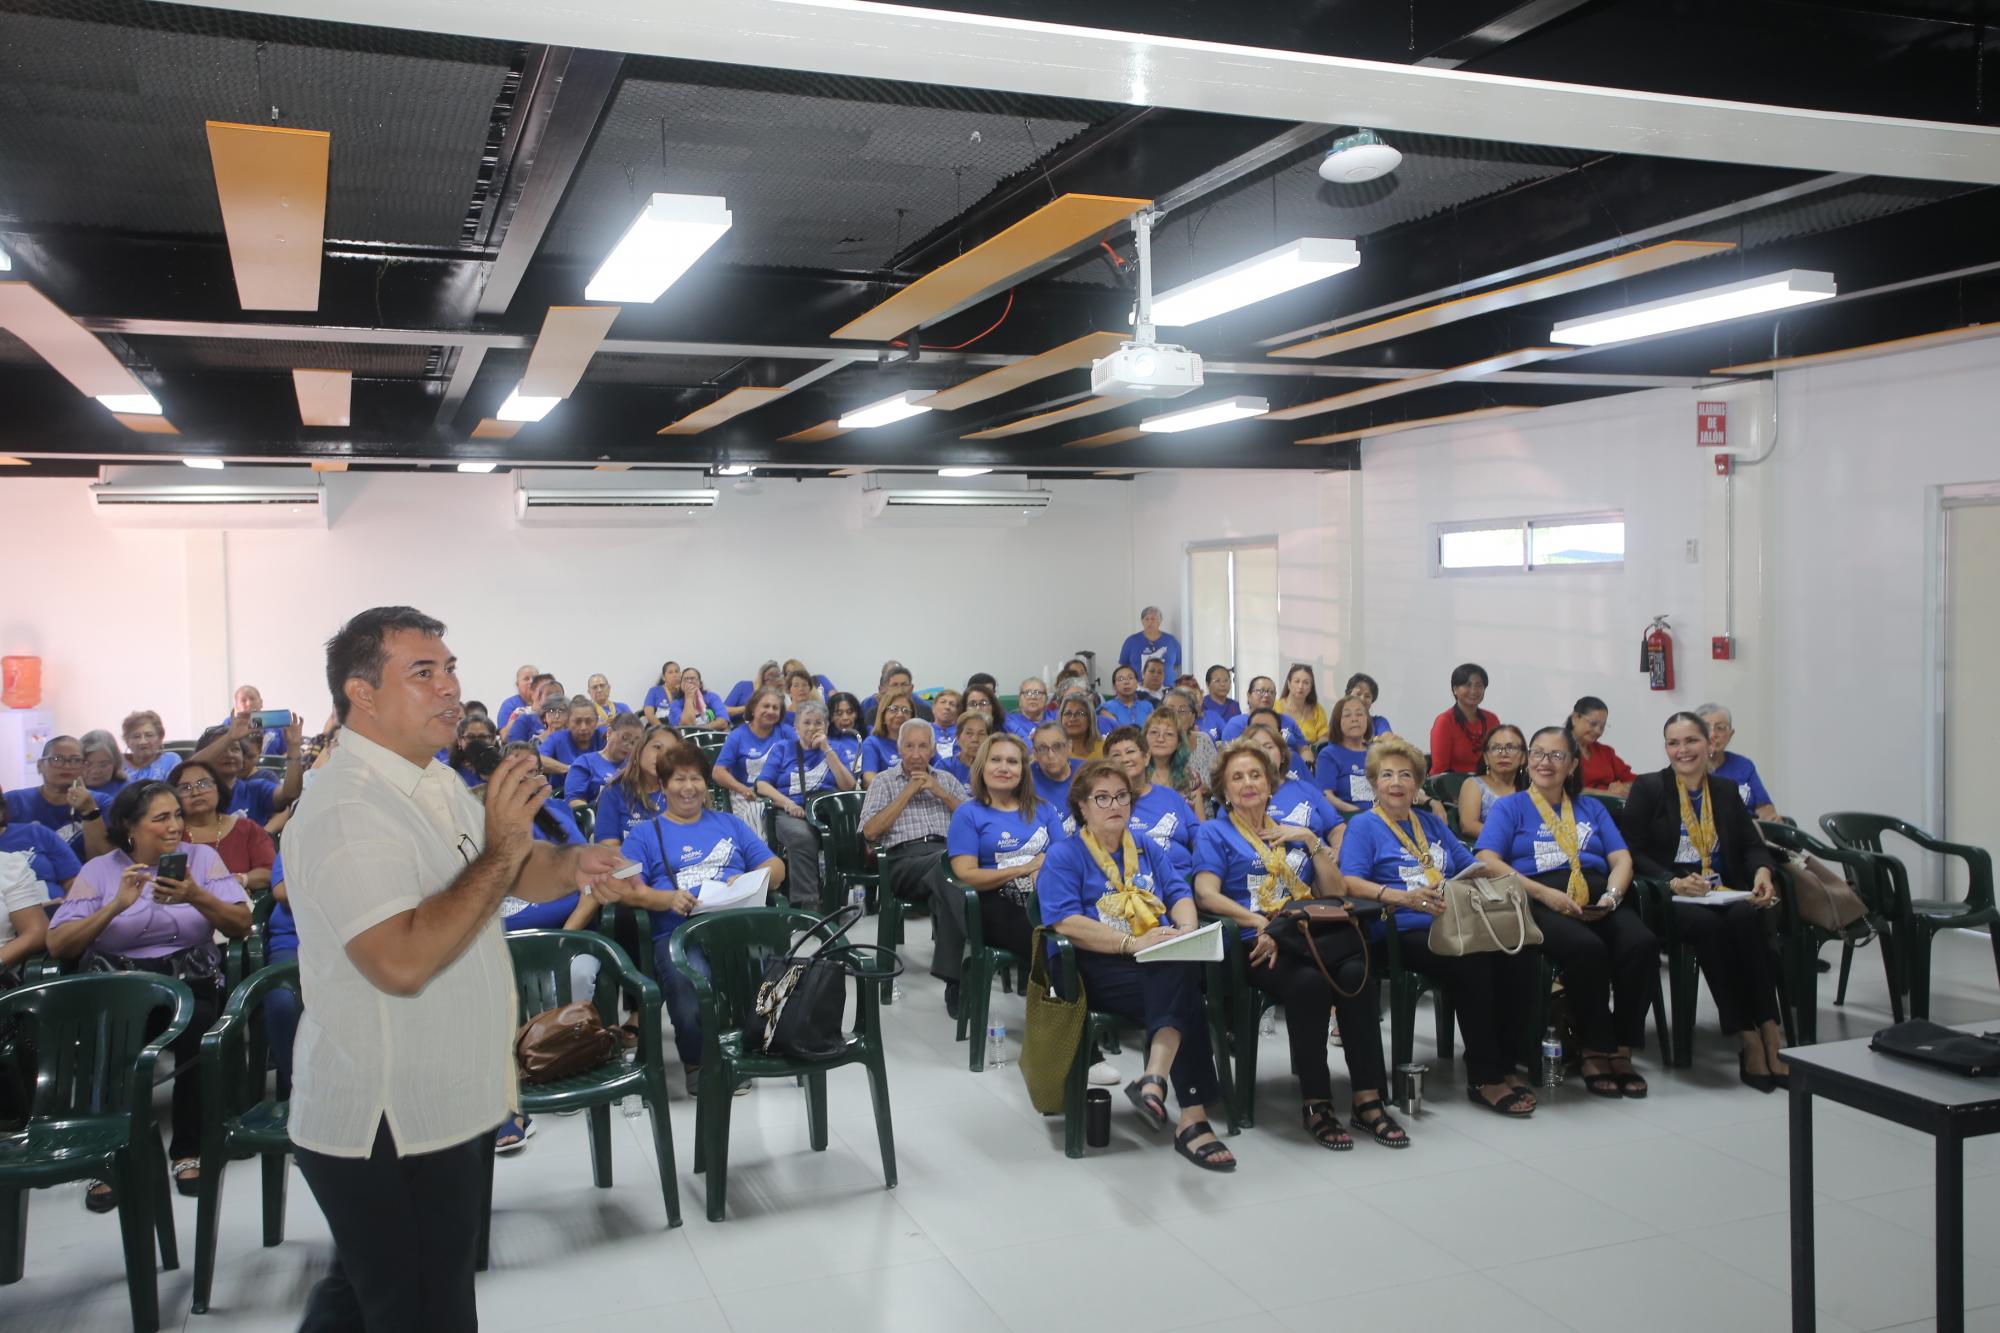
x: 1420, y: 849
x: 1140, y: 909
x: 1563, y: 827
x: 1701, y: 832
x: 1275, y: 866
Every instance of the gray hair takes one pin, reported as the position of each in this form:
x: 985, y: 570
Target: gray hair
x: 1715, y: 710
x: 1149, y: 611
x: 1051, y: 725
x: 811, y: 708
x: 890, y: 668
x: 917, y: 724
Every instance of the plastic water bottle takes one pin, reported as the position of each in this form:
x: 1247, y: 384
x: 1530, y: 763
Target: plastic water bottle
x: 1270, y: 1024
x: 631, y: 1104
x: 996, y: 1046
x: 857, y: 897
x: 1552, y: 1059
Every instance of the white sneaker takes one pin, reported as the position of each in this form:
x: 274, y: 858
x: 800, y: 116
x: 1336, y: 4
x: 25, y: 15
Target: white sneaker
x: 1105, y: 1074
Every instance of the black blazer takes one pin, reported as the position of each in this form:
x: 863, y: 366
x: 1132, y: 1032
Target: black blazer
x: 1651, y: 823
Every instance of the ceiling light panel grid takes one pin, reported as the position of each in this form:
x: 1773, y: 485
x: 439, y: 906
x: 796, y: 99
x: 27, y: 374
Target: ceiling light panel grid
x: 102, y: 107
x: 178, y: 355
x: 813, y: 181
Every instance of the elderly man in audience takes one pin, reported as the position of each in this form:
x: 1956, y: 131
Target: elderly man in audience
x: 908, y: 813
x: 895, y: 679
x: 522, y: 697
x: 62, y: 802
x: 1727, y: 766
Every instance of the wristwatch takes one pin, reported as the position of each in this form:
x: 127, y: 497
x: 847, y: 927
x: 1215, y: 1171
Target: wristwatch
x: 94, y: 814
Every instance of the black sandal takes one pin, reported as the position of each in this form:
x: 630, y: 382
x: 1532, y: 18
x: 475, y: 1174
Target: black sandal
x: 1204, y: 1156
x: 1630, y: 1082
x: 1516, y: 1097
x: 101, y: 1197
x: 1324, y: 1126
x: 1152, y: 1106
x: 1381, y: 1127
x: 1605, y: 1083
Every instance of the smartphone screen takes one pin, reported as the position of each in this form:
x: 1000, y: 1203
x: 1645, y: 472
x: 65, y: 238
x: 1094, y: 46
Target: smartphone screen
x: 174, y: 865
x: 271, y: 719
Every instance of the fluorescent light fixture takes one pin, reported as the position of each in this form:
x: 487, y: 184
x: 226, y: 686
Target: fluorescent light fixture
x: 902, y: 405
x: 1258, y: 278
x: 1712, y: 305
x: 205, y: 464
x: 1239, y: 408
x: 521, y: 407
x: 6, y: 262
x: 477, y: 467
x: 963, y: 471
x: 139, y: 404
x: 733, y: 470
x: 670, y: 233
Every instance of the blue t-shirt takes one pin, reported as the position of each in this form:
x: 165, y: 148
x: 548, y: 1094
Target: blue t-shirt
x: 848, y: 747
x: 1239, y: 724
x: 1344, y: 772
x: 562, y: 747
x: 1220, y: 850
x: 25, y: 805
x: 1372, y: 852
x: 1382, y: 727
x: 744, y: 753
x: 656, y: 699
x: 615, y: 817
x: 1024, y: 726
x: 1516, y: 830
x: 1735, y: 768
x: 710, y: 701
x: 947, y: 743
x: 1001, y: 838
x: 1164, y: 816
x: 1215, y: 716
x: 53, y: 861
x: 560, y: 812
x: 782, y: 769
x: 717, y: 846
x: 1304, y: 805
x: 253, y: 796
x: 520, y: 914
x: 158, y: 770
x: 281, y: 932
x: 527, y: 725
x: 1133, y: 714
x: 508, y: 707
x: 1070, y: 883
x: 1135, y: 652
x: 1054, y: 790
x: 739, y: 694
x: 587, y: 776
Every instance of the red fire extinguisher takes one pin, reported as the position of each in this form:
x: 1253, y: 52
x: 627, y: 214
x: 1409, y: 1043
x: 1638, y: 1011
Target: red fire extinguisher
x: 1656, y: 655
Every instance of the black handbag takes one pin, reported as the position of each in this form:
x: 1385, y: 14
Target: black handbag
x: 803, y: 996
x: 198, y: 967
x: 1325, y: 932
x: 1974, y: 1055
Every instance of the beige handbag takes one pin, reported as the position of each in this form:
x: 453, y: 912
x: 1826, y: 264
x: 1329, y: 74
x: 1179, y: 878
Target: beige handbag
x: 1484, y: 916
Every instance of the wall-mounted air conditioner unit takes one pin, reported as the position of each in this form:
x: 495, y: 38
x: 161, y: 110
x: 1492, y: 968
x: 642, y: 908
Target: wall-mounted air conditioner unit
x: 553, y: 498
x: 174, y: 497
x: 926, y: 507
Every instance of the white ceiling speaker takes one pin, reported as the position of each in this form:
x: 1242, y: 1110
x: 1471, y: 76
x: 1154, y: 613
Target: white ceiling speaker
x: 1355, y: 158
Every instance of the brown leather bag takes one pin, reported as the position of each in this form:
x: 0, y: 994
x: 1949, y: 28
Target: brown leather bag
x: 1823, y: 895
x: 1322, y: 930
x: 557, y: 1043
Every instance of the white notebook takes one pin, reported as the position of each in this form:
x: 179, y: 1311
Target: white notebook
x: 1714, y: 897
x: 748, y: 891
x: 1201, y: 945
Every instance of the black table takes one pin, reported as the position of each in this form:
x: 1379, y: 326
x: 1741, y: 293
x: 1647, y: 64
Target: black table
x: 1949, y: 1108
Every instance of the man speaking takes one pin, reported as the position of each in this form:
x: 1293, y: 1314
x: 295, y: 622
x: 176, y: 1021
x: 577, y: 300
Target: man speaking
x: 404, y: 1058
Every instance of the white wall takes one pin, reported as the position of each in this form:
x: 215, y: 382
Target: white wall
x: 792, y: 571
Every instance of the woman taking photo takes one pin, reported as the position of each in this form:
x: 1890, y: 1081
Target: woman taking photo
x: 973, y: 729
x: 123, y: 915
x: 238, y: 839
x: 1399, y: 856
x: 1599, y: 768
x: 796, y: 769
x: 634, y: 794
x: 1248, y: 868
x: 1502, y: 771
x: 879, y: 754
x: 685, y: 849
x: 1694, y: 832
x: 1111, y: 894
x: 1158, y: 812
x: 1340, y: 769
x: 1460, y: 730
x: 1578, y: 874
x: 1299, y: 701
x: 999, y: 840
x: 472, y: 733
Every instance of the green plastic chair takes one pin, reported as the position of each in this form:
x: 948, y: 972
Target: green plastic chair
x: 981, y: 965
x: 238, y: 1121
x: 1803, y: 939
x: 737, y: 945
x: 1235, y: 1013
x: 541, y: 981
x: 586, y: 820
x: 1669, y: 1035
x: 1099, y: 1029
x: 1406, y: 987
x: 1918, y: 920
x: 837, y: 816
x: 94, y: 1043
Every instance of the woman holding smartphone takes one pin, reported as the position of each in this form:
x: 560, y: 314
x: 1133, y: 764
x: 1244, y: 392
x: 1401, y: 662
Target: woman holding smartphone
x: 153, y: 904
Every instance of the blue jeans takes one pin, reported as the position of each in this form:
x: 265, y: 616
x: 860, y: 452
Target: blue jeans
x: 281, y: 1024
x: 683, y: 1011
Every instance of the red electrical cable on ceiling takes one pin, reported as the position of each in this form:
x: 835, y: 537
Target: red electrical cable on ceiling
x: 959, y: 347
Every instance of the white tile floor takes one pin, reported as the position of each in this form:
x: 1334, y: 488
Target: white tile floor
x: 1664, y: 1214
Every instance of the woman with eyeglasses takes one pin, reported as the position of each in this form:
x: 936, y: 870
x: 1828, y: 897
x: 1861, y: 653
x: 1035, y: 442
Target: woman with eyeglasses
x: 1111, y: 894
x: 879, y: 753
x: 238, y: 839
x: 1054, y: 769
x: 796, y: 769
x: 473, y: 732
x: 1579, y: 873
x: 696, y: 707
x: 1170, y: 761
x: 1158, y: 812
x: 1502, y: 771
x: 978, y: 697
x: 598, y: 689
x: 1125, y: 707
x: 1032, y: 710
x: 1078, y: 717
x: 1203, y: 752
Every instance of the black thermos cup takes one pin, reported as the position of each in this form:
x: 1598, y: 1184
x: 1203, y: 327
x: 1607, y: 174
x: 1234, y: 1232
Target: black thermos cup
x: 1097, y: 1118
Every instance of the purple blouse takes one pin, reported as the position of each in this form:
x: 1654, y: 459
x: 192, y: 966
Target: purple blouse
x: 148, y: 929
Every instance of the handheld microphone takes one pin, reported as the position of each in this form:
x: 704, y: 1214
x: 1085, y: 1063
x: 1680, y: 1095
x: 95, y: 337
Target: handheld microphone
x: 485, y: 758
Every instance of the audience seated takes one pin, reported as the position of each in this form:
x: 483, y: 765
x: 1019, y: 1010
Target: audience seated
x: 972, y: 731
x: 742, y: 758
x: 1599, y: 768
x: 800, y: 689
x: 694, y: 707
x: 823, y: 688
x: 1109, y: 893
x: 245, y: 848
x: 558, y: 811
x: 1728, y: 766
x: 123, y: 915
x: 1053, y: 765
x: 246, y: 703
x: 1295, y: 801
x: 1159, y: 811
x: 1362, y: 686
x: 1077, y: 716
x: 62, y: 803
x: 50, y: 858
x: 231, y: 755
x: 843, y: 712
x: 529, y: 722
x: 1247, y: 868
x: 684, y: 849
x: 634, y: 793
x: 1502, y: 771
x: 1263, y: 698
x: 524, y: 692
x: 103, y: 764
x: 908, y: 811
x: 576, y: 735
x: 1579, y: 875
x: 979, y: 697
x: 770, y: 676
x: 1217, y: 707
x: 1032, y: 709
x: 1299, y: 702
x: 1340, y: 769
x: 946, y: 707
x: 1460, y: 730
x: 662, y: 693
x: 997, y: 842
x: 145, y: 735
x: 598, y: 690
x: 1151, y: 644
x: 586, y: 777
x: 1399, y: 856
x: 1152, y: 682
x: 895, y: 679
x: 1696, y: 834
x: 472, y: 733
x: 882, y: 750
x: 799, y: 766
x: 24, y: 920
x: 1203, y: 752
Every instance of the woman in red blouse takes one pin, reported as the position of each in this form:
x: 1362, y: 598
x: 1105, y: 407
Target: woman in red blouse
x: 238, y: 839
x: 1459, y: 734
x: 1603, y: 773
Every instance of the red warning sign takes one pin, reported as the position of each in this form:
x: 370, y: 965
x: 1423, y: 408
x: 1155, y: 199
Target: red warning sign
x: 1711, y: 425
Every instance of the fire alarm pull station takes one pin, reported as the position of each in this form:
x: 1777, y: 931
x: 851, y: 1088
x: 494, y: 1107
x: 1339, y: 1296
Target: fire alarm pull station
x: 1723, y: 648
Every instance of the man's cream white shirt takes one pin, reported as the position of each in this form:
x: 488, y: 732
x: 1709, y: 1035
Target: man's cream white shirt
x: 374, y: 837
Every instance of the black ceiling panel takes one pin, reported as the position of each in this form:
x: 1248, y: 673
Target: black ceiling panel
x: 176, y: 355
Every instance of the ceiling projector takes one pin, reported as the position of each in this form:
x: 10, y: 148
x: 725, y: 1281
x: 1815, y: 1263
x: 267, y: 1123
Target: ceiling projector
x: 1146, y: 370
x: 1358, y: 157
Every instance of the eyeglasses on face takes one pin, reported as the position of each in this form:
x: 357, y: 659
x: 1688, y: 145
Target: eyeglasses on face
x: 1506, y: 747
x: 64, y: 761
x: 1110, y: 800
x: 1060, y: 747
x: 196, y: 787
x: 1034, y: 694
x: 1548, y: 757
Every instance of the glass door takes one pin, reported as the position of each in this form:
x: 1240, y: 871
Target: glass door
x: 1233, y: 610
